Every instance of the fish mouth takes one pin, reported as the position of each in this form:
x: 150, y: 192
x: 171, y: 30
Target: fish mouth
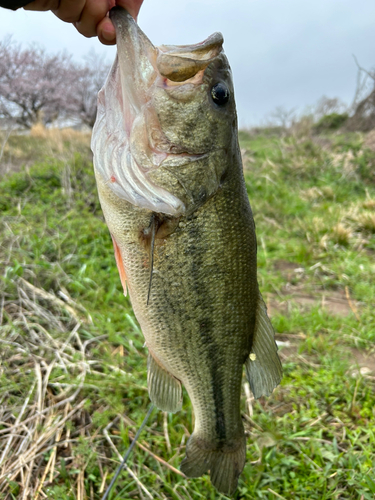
x: 136, y: 59
x: 141, y: 64
x: 128, y: 142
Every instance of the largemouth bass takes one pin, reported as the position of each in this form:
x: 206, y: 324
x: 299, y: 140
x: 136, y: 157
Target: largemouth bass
x: 171, y: 186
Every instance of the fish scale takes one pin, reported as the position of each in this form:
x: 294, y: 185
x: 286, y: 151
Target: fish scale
x: 188, y: 255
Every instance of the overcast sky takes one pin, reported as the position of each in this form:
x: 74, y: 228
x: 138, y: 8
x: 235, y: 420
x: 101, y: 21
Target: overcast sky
x: 282, y: 52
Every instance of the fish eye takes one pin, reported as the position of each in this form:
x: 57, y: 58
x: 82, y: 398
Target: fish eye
x: 220, y: 94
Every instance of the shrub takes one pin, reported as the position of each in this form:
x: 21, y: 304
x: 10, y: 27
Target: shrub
x: 333, y: 121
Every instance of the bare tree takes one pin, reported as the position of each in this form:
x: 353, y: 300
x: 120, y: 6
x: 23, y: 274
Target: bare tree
x: 328, y: 105
x: 33, y: 84
x: 363, y: 106
x: 365, y: 84
x: 283, y: 117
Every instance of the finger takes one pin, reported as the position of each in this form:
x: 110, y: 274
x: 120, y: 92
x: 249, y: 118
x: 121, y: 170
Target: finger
x: 106, y: 32
x: 105, y: 29
x: 42, y: 5
x: 93, y: 12
x: 69, y: 11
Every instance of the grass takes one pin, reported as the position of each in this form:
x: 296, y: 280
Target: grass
x: 73, y: 364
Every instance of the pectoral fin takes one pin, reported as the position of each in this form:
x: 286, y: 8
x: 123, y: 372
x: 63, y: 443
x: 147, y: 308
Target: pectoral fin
x: 120, y: 265
x: 263, y: 366
x: 164, y: 389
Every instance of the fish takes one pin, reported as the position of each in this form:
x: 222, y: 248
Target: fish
x: 171, y: 186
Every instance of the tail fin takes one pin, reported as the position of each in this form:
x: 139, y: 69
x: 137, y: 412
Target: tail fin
x: 224, y: 466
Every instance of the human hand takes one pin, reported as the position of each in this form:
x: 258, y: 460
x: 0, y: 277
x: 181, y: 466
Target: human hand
x: 88, y: 16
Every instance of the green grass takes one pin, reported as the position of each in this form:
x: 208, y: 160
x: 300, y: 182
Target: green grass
x: 314, y: 438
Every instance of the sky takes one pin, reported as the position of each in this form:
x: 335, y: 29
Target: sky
x: 285, y: 53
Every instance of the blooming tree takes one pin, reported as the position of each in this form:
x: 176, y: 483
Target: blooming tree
x: 39, y: 87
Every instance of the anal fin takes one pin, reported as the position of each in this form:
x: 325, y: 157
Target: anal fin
x: 164, y: 389
x: 263, y: 366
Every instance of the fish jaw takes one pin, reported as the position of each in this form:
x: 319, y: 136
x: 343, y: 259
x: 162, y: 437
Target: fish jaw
x: 150, y: 92
x: 137, y: 57
x: 120, y: 104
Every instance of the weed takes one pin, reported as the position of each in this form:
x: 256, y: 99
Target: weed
x: 73, y: 365
x: 332, y: 121
x: 341, y: 235
x: 366, y: 221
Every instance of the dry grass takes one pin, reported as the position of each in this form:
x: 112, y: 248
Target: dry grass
x: 302, y: 127
x: 370, y: 140
x: 369, y: 204
x: 341, y: 234
x: 366, y: 221
x: 20, y: 149
x: 42, y: 432
x: 41, y: 426
x: 57, y: 138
